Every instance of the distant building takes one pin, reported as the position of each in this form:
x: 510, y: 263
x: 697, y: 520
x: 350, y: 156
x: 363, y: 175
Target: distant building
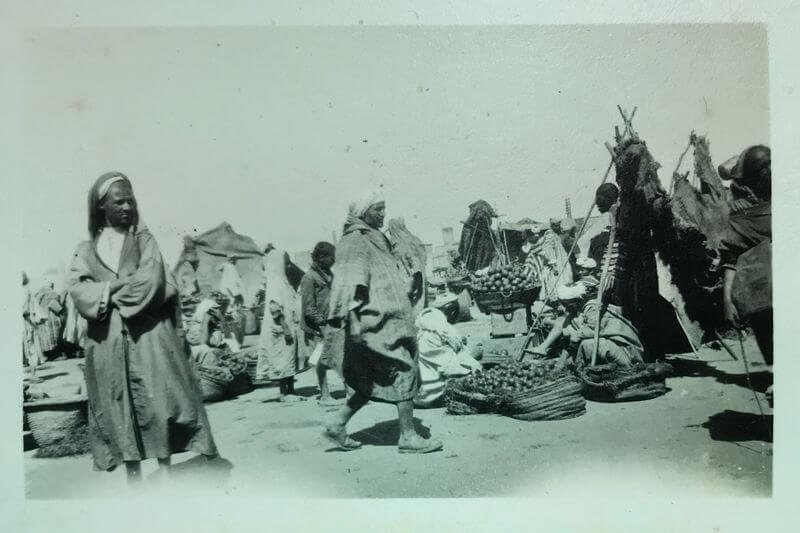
x: 447, y: 236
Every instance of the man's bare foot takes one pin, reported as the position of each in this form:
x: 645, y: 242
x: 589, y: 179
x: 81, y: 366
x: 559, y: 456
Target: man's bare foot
x: 337, y: 435
x: 327, y: 401
x: 417, y: 444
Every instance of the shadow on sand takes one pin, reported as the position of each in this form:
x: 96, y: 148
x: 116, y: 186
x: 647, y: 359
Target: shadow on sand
x: 733, y: 426
x: 387, y: 433
x: 761, y: 379
x: 198, y: 471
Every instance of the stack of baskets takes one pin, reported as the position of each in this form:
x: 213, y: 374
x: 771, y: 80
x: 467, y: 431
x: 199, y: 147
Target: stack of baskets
x: 613, y: 383
x: 58, y: 425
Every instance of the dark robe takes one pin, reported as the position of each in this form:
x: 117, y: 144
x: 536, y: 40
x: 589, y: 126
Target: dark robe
x: 144, y: 400
x: 747, y: 229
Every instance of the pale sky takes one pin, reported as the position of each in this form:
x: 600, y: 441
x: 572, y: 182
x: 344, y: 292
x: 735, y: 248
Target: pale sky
x: 265, y: 127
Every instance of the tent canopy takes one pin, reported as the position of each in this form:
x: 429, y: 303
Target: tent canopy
x: 214, y: 247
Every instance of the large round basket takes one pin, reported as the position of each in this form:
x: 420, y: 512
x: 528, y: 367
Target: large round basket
x: 212, y: 385
x: 556, y: 400
x: 240, y: 384
x: 59, y: 425
x: 612, y: 383
x: 461, y: 402
x: 504, y: 303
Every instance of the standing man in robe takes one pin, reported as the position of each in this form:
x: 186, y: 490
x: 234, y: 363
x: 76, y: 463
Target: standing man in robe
x: 373, y: 298
x: 144, y: 401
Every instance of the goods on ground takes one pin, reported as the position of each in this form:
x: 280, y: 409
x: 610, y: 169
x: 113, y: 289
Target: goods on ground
x: 226, y: 375
x: 530, y: 390
x: 58, y: 425
x: 614, y: 383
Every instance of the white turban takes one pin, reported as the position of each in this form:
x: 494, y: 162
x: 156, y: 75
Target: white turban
x: 571, y: 292
x: 102, y: 190
x: 361, y: 204
x: 586, y: 262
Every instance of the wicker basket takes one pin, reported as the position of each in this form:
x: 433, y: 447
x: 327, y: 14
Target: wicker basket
x: 240, y: 384
x: 461, y: 402
x: 556, y: 400
x: 212, y: 385
x: 59, y: 425
x: 612, y: 383
x: 504, y: 303
x: 494, y: 359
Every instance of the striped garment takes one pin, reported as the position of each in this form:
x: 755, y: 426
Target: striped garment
x: 546, y: 258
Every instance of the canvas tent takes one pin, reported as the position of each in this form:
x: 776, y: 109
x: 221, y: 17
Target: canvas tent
x: 478, y: 246
x: 213, y: 248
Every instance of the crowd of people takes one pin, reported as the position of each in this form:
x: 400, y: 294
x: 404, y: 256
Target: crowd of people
x: 366, y: 322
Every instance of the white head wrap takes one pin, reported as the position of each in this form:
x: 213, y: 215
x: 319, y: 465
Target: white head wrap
x: 587, y: 263
x: 362, y: 203
x: 571, y: 292
x: 102, y: 190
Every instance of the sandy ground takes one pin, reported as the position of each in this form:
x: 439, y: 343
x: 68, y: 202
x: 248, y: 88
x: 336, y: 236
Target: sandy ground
x: 704, y: 437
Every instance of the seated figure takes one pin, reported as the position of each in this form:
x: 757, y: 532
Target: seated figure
x: 571, y: 298
x: 443, y: 354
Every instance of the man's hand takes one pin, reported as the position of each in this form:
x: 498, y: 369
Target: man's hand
x: 732, y: 315
x: 118, y: 283
x: 415, y: 293
x: 355, y: 328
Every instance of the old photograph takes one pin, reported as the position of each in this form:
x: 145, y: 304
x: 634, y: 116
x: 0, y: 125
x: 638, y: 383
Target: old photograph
x: 397, y: 262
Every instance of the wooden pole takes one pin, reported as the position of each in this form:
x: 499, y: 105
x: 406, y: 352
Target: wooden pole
x: 685, y: 332
x: 564, y: 266
x: 603, y: 281
x: 678, y: 167
x: 727, y: 348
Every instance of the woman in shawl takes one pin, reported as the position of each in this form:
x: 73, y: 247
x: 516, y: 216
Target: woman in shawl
x: 278, y: 357
x: 144, y: 401
x: 410, y: 249
x: 372, y: 298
